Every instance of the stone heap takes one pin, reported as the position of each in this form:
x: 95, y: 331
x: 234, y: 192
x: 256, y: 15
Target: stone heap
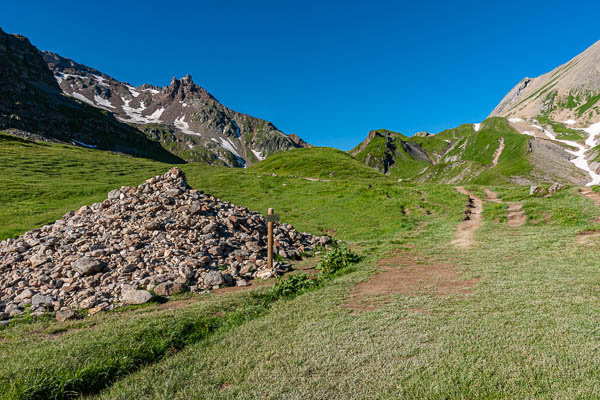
x: 161, y: 236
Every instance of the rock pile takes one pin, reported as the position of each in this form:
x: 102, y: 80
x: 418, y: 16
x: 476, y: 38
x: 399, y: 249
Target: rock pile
x: 160, y: 236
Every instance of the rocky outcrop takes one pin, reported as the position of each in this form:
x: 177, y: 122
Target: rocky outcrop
x: 160, y: 236
x: 382, y: 148
x: 32, y: 105
x: 183, y: 117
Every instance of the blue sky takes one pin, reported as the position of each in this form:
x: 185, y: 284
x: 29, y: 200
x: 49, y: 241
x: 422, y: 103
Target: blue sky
x: 329, y: 71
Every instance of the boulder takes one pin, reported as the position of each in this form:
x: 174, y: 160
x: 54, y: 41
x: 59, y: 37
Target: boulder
x: 213, y: 278
x: 66, y: 315
x: 88, y: 266
x: 134, y: 297
x: 169, y: 288
x: 42, y: 300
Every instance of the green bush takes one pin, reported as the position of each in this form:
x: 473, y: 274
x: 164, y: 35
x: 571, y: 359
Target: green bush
x: 337, y: 259
x: 294, y: 285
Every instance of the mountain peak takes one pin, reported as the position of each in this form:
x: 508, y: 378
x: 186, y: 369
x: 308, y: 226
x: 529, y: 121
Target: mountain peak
x: 569, y: 92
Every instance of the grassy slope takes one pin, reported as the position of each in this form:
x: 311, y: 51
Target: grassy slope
x: 528, y: 330
x: 477, y: 150
x: 40, y: 182
x: 315, y: 162
x: 562, y: 132
x: 473, y: 152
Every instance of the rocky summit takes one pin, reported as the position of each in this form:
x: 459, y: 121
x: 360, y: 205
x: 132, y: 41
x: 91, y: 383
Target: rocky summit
x: 161, y: 236
x: 183, y: 117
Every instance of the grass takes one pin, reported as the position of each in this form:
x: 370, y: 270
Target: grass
x: 527, y: 329
x: 119, y: 349
x: 459, y: 155
x: 316, y: 162
x: 591, y: 101
x: 563, y: 132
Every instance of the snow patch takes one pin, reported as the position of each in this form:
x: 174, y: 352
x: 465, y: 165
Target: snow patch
x: 156, y: 114
x: 135, y: 114
x: 570, y: 122
x: 228, y: 144
x: 515, y: 120
x: 102, y: 102
x: 133, y: 91
x: 258, y: 155
x: 528, y: 133
x: 81, y: 97
x: 593, y: 130
x: 579, y: 160
x: 59, y: 77
x: 100, y: 80
x: 477, y: 127
x: 184, y: 126
x: 89, y: 146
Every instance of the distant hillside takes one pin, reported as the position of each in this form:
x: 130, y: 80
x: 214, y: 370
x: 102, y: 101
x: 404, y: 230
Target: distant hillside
x: 486, y: 153
x: 316, y: 162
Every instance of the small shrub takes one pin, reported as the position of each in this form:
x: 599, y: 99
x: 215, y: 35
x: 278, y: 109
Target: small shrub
x: 337, y: 259
x: 294, y: 285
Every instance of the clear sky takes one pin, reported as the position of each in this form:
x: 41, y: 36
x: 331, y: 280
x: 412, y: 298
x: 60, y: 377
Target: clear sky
x: 329, y: 71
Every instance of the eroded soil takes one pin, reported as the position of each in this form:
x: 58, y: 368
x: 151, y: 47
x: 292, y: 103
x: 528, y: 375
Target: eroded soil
x: 404, y: 274
x: 465, y: 233
x: 516, y: 215
x: 590, y: 194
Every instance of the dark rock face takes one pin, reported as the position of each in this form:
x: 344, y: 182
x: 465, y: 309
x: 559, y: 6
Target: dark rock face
x: 385, y: 158
x: 176, y: 123
x: 183, y: 117
x: 32, y: 106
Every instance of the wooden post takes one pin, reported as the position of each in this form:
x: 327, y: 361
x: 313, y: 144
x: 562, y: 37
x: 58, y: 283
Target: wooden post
x: 270, y: 241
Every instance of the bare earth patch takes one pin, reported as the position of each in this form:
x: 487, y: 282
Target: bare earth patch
x: 516, y: 215
x: 587, y: 237
x: 590, y: 194
x: 491, y: 196
x: 465, y: 233
x: 403, y: 274
x: 498, y: 151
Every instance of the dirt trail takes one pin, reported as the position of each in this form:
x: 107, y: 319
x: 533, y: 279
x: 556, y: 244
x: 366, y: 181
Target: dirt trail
x: 590, y: 194
x: 498, y: 152
x: 402, y: 273
x: 491, y: 196
x: 465, y: 233
x: 516, y: 215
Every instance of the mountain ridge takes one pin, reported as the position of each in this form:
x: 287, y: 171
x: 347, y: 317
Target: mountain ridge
x: 183, y: 116
x: 569, y: 92
x: 32, y: 105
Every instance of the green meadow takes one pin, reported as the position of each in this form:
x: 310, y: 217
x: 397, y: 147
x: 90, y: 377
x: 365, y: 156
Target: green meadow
x: 521, y: 321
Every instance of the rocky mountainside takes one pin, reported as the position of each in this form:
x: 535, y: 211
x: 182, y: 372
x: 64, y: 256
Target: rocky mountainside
x: 160, y: 236
x: 183, y: 117
x: 545, y: 129
x: 32, y: 105
x: 571, y: 92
